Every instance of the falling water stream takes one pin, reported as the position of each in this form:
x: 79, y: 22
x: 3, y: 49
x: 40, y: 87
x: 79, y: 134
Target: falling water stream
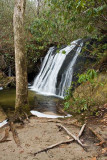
x: 46, y: 81
x: 50, y: 84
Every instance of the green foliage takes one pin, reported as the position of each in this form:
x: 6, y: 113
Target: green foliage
x: 84, y: 17
x: 82, y: 102
x: 63, y: 52
x: 6, y: 27
x: 89, y: 76
x: 59, y: 22
x: 67, y: 98
x: 6, y: 34
x: 66, y: 105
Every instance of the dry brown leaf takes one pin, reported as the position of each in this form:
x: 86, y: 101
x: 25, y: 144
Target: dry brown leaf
x: 21, y: 151
x: 99, y: 144
x: 37, y: 138
x: 105, y: 105
x: 68, y: 137
x: 27, y: 145
x: 63, y: 146
x: 94, y: 158
x: 104, y: 150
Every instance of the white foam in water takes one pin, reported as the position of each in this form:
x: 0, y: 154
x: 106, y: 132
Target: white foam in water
x: 45, y: 82
x: 46, y: 93
x: 39, y: 114
x: 1, y: 88
x: 3, y: 123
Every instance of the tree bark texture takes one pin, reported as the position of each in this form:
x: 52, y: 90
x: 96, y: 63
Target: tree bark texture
x: 20, y: 56
x: 38, y: 7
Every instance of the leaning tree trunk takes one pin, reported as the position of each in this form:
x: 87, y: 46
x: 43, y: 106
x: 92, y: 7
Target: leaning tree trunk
x: 21, y: 103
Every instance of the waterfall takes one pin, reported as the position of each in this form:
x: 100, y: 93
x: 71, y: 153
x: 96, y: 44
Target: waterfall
x: 46, y: 81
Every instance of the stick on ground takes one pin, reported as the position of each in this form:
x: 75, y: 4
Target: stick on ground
x: 73, y: 136
x: 54, y: 145
x: 59, y: 143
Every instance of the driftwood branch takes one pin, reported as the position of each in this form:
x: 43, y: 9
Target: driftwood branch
x: 73, y: 136
x: 81, y: 131
x: 62, y: 142
x: 53, y: 146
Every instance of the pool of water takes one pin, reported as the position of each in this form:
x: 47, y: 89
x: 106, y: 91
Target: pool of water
x: 41, y: 103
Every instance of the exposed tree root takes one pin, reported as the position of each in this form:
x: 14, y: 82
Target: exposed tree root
x: 27, y: 118
x: 19, y: 117
x: 4, y: 139
x: 63, y: 142
x: 15, y: 134
x: 66, y: 123
x: 11, y: 121
x: 102, y: 141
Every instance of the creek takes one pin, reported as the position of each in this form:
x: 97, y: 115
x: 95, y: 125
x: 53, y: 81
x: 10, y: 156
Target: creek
x: 50, y: 85
x: 41, y: 103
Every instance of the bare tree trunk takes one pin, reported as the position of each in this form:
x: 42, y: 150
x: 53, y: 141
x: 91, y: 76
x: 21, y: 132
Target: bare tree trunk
x: 38, y: 7
x: 21, y: 103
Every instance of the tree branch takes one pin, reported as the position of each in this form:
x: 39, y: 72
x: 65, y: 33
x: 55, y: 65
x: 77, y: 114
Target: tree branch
x: 63, y: 142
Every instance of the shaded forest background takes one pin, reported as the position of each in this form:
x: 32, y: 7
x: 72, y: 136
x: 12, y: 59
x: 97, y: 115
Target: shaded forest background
x: 50, y: 23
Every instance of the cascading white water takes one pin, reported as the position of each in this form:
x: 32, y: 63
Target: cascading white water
x: 45, y: 82
x: 68, y: 74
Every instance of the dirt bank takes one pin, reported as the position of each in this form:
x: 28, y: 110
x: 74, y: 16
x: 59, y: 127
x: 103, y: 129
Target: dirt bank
x: 41, y: 133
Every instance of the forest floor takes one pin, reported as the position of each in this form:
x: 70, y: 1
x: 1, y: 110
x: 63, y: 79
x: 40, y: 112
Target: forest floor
x: 39, y: 133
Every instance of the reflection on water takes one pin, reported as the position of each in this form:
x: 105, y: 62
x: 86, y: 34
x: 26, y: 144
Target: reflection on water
x: 46, y: 104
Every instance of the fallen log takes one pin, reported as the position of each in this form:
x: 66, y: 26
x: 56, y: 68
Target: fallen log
x: 62, y: 142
